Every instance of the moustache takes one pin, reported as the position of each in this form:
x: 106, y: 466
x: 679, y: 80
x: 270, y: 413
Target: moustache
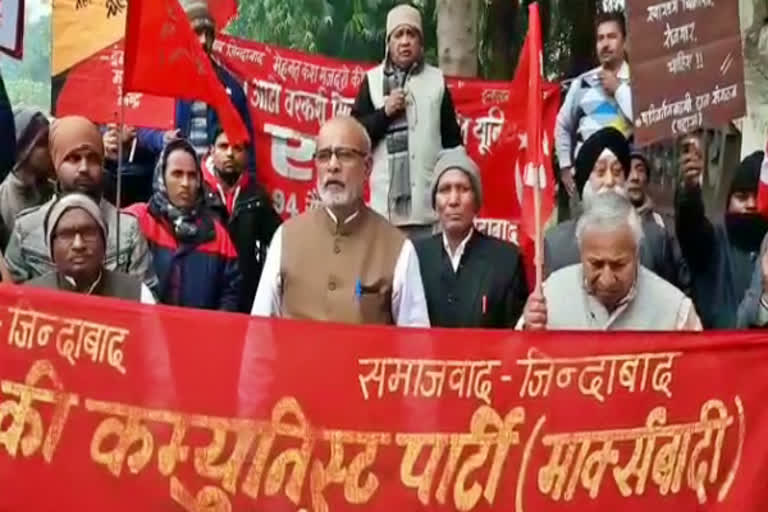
x: 334, y: 182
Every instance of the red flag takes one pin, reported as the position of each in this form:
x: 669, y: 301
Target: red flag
x: 762, y: 189
x: 529, y: 70
x: 163, y: 56
x: 222, y: 12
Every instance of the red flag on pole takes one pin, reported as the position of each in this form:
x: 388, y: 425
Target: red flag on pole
x: 762, y: 189
x: 222, y: 12
x: 164, y: 57
x: 538, y: 187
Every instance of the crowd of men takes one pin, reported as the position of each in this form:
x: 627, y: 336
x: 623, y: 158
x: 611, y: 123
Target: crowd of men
x: 197, y: 230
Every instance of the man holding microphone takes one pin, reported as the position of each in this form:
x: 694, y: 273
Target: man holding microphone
x: 597, y: 99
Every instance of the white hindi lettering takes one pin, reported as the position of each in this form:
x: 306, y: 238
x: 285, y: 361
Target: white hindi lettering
x: 287, y: 155
x: 684, y: 34
x: 662, y: 10
x: 488, y: 129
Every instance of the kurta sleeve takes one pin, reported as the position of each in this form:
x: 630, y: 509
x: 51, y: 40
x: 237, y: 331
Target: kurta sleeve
x: 409, y: 304
x: 267, y: 302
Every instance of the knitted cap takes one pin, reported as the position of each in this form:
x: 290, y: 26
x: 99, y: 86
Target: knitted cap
x: 70, y: 133
x: 747, y: 174
x: 590, y: 151
x: 403, y: 15
x: 457, y: 158
x: 198, y: 14
x: 68, y: 202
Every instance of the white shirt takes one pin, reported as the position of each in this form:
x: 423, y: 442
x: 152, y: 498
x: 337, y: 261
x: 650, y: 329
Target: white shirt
x: 409, y: 305
x: 456, y: 256
x: 146, y: 295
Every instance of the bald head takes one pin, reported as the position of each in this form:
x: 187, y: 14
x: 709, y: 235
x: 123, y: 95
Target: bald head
x: 343, y: 161
x: 348, y: 127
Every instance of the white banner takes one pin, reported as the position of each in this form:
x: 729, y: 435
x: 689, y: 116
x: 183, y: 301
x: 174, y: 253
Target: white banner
x: 11, y: 27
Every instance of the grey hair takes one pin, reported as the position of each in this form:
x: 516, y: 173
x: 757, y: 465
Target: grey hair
x: 609, y: 211
x: 358, y: 126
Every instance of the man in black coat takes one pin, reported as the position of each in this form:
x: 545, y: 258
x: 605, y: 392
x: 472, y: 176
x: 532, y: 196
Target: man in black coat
x: 470, y: 279
x: 244, y: 207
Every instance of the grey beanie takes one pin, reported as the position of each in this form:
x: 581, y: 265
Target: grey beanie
x: 65, y: 203
x: 30, y: 126
x: 457, y: 158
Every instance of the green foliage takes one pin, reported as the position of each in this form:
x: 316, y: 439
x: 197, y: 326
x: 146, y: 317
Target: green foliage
x: 351, y: 29
x: 29, y: 93
x: 29, y: 81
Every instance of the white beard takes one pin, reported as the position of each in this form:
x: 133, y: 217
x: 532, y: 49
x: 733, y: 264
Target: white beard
x: 589, y: 192
x: 344, y: 197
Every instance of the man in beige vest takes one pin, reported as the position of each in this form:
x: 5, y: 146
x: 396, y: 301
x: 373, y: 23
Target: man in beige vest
x: 407, y: 109
x: 342, y: 262
x: 609, y: 289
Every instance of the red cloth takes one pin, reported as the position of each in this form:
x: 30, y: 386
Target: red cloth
x: 762, y: 189
x: 228, y: 197
x: 222, y: 12
x: 164, y: 57
x: 528, y: 78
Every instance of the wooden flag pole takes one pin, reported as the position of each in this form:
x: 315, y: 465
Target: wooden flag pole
x: 121, y: 129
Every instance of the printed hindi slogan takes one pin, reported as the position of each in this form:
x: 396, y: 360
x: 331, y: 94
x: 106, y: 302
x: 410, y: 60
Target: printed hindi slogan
x: 687, y: 66
x: 375, y: 419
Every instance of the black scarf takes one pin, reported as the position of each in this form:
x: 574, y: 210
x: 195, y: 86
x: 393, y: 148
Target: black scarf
x: 190, y: 226
x: 746, y: 230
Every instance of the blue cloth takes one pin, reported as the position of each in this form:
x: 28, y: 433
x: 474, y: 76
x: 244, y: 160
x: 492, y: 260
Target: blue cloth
x: 201, y: 275
x: 7, y: 133
x: 153, y: 139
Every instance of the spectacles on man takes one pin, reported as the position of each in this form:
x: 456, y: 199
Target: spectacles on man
x: 345, y: 156
x: 88, y: 234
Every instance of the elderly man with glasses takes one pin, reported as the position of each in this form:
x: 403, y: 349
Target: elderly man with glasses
x: 342, y: 262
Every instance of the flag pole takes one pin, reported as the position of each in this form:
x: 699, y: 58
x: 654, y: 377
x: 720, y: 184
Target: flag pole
x: 534, y: 145
x: 121, y: 129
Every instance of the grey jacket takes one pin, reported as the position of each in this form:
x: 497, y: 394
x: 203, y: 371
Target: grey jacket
x: 751, y: 313
x: 28, y: 256
x: 656, y: 252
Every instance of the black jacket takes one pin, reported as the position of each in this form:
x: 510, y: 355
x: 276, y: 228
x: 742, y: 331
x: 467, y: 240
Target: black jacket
x: 488, y: 290
x: 251, y: 226
x: 721, y: 258
x: 7, y: 133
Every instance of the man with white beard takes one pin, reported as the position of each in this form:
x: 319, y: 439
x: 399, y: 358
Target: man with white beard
x: 342, y: 262
x: 603, y: 165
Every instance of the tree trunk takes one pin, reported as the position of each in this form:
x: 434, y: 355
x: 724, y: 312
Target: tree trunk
x: 502, y: 17
x: 457, y: 36
x: 581, y: 16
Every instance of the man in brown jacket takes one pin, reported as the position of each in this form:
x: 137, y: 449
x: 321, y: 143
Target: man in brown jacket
x: 342, y: 262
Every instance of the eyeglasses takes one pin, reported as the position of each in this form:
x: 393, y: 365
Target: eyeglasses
x: 88, y: 234
x: 345, y: 156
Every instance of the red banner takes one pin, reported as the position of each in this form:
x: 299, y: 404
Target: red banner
x: 92, y: 89
x: 130, y: 407
x: 292, y: 93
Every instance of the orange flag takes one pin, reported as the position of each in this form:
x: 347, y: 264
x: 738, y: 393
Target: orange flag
x: 164, y: 57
